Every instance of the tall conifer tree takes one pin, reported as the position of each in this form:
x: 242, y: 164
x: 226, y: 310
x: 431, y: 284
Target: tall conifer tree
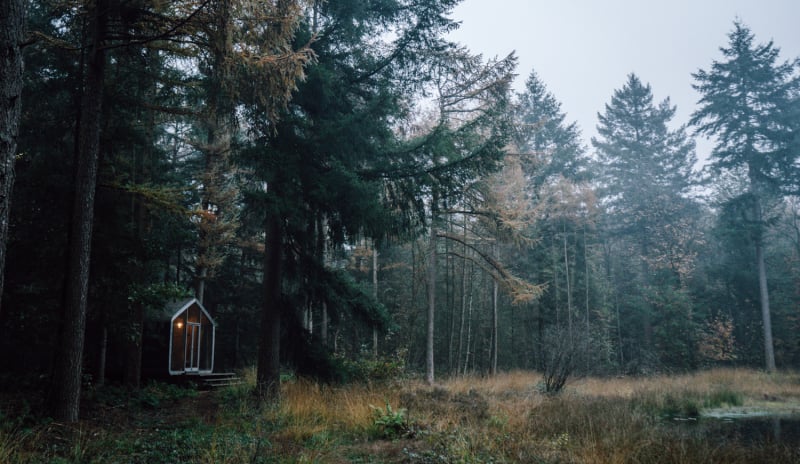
x: 645, y: 171
x: 746, y: 103
x: 338, y: 157
x: 552, y: 145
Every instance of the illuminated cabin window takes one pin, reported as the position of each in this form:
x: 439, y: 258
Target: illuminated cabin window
x: 192, y: 332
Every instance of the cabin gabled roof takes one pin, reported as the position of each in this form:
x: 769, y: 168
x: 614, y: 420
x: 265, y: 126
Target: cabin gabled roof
x: 175, y: 307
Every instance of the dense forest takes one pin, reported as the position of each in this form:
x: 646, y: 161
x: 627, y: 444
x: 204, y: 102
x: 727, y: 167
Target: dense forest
x: 344, y: 190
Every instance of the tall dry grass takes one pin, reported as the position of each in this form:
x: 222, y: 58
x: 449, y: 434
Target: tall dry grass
x: 343, y: 409
x: 500, y: 419
x: 506, y: 419
x: 746, y: 381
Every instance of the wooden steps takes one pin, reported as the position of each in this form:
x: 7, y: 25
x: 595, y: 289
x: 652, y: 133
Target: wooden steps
x: 220, y: 380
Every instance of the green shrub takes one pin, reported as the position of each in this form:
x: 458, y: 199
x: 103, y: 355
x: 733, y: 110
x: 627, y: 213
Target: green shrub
x: 371, y: 370
x: 390, y: 423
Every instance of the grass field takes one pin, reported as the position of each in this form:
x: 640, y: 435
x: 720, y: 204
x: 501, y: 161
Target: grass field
x: 463, y: 420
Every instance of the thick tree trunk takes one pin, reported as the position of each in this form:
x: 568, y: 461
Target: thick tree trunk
x: 65, y: 396
x: 216, y: 199
x: 569, y: 287
x: 132, y: 373
x: 237, y: 344
x: 100, y: 375
x: 555, y: 279
x: 494, y: 327
x: 586, y: 276
x: 766, y: 319
x: 429, y: 367
x: 540, y: 339
x: 202, y: 276
x: 450, y: 292
x: 469, y: 320
x: 463, y: 301
x: 321, y: 252
x: 586, y: 300
x: 769, y: 351
x: 323, y: 330
x: 11, y: 36
x: 269, y: 361
x: 133, y: 350
x: 375, y: 295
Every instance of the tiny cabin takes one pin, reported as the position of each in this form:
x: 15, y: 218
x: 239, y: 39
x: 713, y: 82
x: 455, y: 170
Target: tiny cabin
x: 191, y: 339
x: 180, y: 340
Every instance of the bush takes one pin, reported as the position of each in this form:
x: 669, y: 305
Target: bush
x: 381, y: 370
x: 560, y: 356
x: 390, y: 423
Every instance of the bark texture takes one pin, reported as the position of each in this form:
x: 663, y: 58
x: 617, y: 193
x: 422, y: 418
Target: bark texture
x: 11, y: 36
x: 65, y: 396
x: 375, y: 295
x: 429, y: 368
x: 766, y: 319
x: 269, y: 365
x: 758, y: 215
x: 769, y: 351
x: 494, y: 327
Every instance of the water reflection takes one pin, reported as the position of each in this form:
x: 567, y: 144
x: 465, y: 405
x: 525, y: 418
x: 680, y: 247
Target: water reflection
x: 746, y: 430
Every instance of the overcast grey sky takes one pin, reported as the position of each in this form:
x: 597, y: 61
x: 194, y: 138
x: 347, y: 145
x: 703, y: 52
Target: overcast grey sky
x: 584, y: 49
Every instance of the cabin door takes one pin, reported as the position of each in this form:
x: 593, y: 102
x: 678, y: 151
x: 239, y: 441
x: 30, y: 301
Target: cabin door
x: 192, y: 358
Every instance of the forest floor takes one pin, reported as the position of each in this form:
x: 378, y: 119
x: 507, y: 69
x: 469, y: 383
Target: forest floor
x: 731, y: 416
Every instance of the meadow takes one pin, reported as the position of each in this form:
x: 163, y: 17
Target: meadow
x: 690, y: 418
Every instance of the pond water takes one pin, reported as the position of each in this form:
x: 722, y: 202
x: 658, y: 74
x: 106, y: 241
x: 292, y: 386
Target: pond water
x: 748, y: 430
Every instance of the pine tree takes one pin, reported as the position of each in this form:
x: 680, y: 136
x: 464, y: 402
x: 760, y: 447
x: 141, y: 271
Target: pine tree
x: 338, y: 157
x: 746, y: 102
x: 555, y: 163
x: 639, y: 156
x: 645, y: 171
x: 551, y: 145
x: 37, y: 229
x: 247, y: 55
x: 65, y: 399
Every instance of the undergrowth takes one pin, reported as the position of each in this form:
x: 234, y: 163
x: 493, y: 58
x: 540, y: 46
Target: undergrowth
x: 503, y: 419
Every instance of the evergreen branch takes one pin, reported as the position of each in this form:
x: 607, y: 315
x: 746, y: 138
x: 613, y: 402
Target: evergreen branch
x: 162, y: 35
x: 177, y: 111
x: 166, y: 199
x: 58, y: 43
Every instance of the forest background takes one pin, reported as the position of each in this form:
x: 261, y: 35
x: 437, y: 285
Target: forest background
x: 342, y: 186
